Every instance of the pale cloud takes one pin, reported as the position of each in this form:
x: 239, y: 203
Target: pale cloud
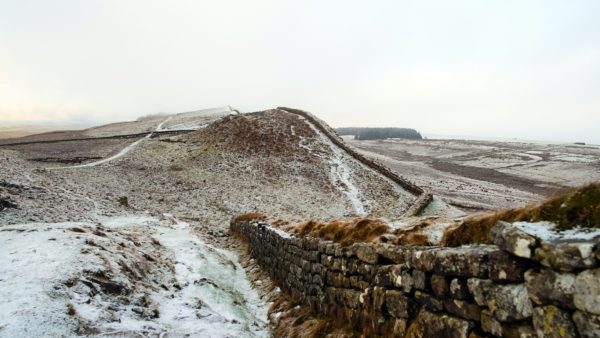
x: 528, y: 69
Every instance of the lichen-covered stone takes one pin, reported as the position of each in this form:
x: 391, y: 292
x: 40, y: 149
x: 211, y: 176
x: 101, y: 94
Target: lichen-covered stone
x: 467, y: 261
x: 490, y: 324
x: 480, y: 289
x: 552, y: 322
x: 402, y: 279
x: 518, y: 331
x: 463, y: 309
x: 392, y: 253
x: 567, y: 256
x: 510, y: 302
x: 458, y: 288
x: 366, y: 253
x: 419, y: 279
x: 587, y: 291
x: 421, y: 258
x: 507, y: 268
x: 549, y: 287
x: 588, y: 325
x: 429, y: 302
x: 428, y: 324
x: 513, y: 240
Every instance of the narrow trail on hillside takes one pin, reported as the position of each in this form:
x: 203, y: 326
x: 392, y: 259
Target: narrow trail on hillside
x: 121, y: 153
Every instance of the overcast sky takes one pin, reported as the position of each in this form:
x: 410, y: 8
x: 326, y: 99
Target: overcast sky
x: 525, y: 69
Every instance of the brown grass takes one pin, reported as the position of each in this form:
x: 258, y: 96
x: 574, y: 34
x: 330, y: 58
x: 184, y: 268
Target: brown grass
x: 176, y: 167
x: 266, y: 134
x: 414, y: 235
x: 293, y: 319
x: 412, y: 239
x: 71, y: 310
x: 576, y: 207
x: 250, y: 216
x: 344, y: 232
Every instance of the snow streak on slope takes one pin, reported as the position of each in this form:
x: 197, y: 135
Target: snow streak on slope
x: 340, y: 173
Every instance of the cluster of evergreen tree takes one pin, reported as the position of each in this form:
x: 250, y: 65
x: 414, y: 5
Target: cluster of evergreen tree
x: 380, y: 133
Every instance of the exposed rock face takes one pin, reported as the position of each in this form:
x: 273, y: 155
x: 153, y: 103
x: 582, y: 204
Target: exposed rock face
x: 470, y: 291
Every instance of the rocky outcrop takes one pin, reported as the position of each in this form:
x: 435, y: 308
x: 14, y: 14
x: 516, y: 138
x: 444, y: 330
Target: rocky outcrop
x: 504, y: 290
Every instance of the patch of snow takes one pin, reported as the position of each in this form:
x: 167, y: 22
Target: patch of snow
x: 576, y: 158
x: 435, y: 232
x: 35, y: 258
x: 186, y: 126
x: 177, y: 224
x: 547, y: 231
x: 281, y: 233
x: 216, y: 299
x: 400, y: 225
x: 160, y: 125
x: 340, y: 173
x: 127, y: 221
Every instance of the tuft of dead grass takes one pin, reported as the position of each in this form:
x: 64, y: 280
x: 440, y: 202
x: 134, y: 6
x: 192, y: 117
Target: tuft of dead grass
x: 250, y: 216
x: 576, y: 207
x: 344, y: 232
x: 294, y: 319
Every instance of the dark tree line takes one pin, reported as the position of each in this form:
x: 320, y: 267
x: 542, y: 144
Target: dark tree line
x: 380, y: 133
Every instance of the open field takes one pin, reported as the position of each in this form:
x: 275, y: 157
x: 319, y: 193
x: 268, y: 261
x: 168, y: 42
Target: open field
x: 475, y: 175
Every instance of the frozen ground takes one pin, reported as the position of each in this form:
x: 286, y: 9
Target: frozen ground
x: 476, y: 175
x: 128, y: 238
x: 130, y: 276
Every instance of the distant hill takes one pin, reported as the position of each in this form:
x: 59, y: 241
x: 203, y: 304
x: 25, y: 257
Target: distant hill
x: 20, y: 130
x: 380, y: 133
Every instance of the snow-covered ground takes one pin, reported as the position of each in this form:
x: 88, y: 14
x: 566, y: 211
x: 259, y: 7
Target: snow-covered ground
x: 216, y: 299
x: 547, y: 231
x: 113, y: 278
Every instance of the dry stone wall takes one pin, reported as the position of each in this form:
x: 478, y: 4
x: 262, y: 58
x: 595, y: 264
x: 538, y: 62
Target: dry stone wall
x: 521, y: 287
x: 423, y: 197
